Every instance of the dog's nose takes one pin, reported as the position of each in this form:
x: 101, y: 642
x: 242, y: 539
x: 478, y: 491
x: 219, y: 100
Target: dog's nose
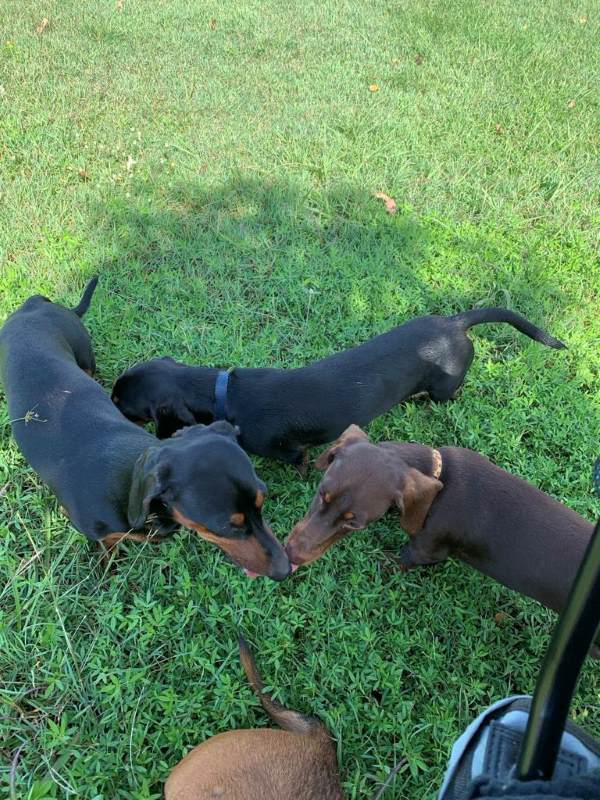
x: 280, y: 567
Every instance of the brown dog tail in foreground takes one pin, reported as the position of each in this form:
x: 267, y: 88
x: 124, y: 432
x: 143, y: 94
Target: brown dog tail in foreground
x: 296, y: 763
x: 289, y: 720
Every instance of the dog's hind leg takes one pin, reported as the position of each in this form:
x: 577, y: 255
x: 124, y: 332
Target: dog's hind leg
x: 447, y: 379
x: 445, y: 387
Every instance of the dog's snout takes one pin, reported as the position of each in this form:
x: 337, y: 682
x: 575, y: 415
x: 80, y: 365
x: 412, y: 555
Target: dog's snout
x: 281, y: 572
x: 280, y: 567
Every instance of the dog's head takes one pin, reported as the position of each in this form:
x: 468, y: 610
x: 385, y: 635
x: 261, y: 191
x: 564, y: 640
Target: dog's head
x: 205, y: 481
x: 149, y: 392
x: 362, y: 481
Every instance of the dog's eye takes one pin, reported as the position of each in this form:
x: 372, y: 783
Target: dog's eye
x: 326, y: 497
x: 349, y: 515
x: 237, y: 519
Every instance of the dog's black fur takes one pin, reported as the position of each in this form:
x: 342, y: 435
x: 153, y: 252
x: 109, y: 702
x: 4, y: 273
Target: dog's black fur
x: 111, y: 476
x: 281, y: 412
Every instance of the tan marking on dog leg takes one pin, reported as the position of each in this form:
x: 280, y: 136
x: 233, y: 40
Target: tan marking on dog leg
x: 111, y: 540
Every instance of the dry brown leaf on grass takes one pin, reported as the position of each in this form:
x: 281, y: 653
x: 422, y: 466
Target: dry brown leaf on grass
x: 419, y: 59
x: 42, y: 26
x: 499, y: 129
x: 120, y: 4
x: 571, y: 103
x: 373, y: 87
x: 212, y: 24
x: 389, y: 202
x: 500, y: 618
x: 84, y: 174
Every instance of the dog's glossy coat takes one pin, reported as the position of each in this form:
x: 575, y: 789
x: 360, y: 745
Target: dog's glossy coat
x: 282, y: 411
x: 453, y: 502
x: 296, y: 763
x: 114, y: 479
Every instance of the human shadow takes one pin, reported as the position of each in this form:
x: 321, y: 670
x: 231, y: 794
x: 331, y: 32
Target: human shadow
x: 269, y: 273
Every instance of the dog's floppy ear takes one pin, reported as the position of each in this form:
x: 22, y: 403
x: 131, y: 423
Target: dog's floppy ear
x: 415, y: 498
x: 221, y: 427
x: 224, y: 428
x: 352, y: 434
x: 171, y: 416
x: 148, y: 484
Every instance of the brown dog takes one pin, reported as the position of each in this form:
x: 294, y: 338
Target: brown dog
x: 296, y: 763
x: 452, y: 502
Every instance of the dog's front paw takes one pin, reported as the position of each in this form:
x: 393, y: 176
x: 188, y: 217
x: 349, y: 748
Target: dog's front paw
x: 302, y: 465
x: 401, y: 561
x: 406, y: 558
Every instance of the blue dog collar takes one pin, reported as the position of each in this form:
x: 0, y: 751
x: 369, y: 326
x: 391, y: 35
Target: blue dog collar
x: 221, y: 385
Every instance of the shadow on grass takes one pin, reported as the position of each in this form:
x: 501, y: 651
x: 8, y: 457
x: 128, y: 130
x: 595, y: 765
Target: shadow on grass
x: 258, y: 273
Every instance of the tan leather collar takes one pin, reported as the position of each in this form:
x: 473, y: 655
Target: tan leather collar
x: 437, y: 463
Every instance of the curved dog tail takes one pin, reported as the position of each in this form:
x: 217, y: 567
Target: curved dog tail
x: 286, y: 718
x: 477, y: 316
x: 84, y: 303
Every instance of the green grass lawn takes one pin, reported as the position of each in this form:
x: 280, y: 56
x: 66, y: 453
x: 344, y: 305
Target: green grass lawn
x: 215, y: 163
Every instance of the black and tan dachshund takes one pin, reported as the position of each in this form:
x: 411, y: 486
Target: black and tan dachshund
x: 115, y: 480
x: 280, y: 412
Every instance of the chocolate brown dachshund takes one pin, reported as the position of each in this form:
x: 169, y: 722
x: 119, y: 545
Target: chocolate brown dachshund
x: 451, y: 502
